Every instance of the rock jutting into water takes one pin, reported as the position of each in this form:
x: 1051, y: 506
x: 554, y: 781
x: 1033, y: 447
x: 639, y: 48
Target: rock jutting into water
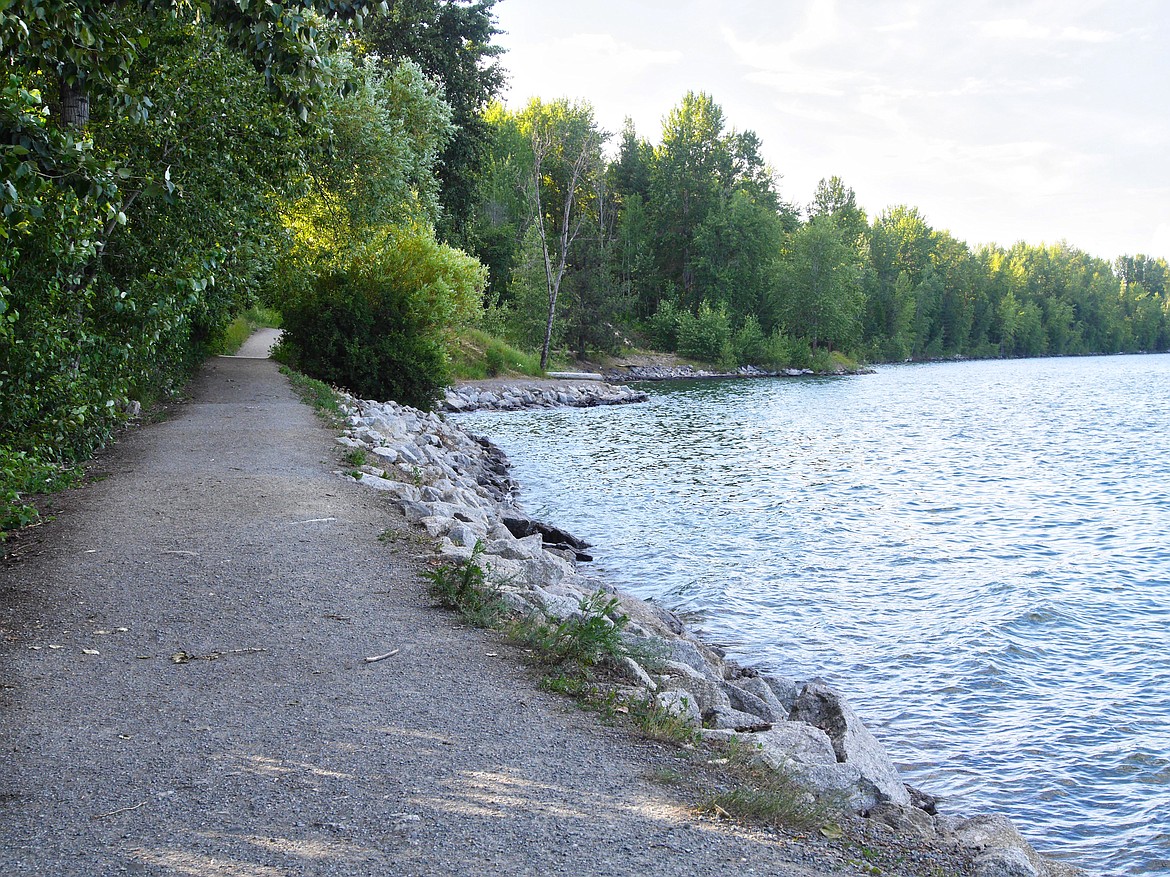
x: 514, y: 398
x: 457, y: 487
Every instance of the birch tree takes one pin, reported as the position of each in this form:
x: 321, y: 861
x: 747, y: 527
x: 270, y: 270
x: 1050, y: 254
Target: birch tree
x: 566, y: 159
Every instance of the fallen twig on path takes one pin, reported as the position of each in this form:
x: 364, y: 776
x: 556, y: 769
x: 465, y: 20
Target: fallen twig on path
x: 186, y: 658
x: 377, y: 658
x: 116, y: 812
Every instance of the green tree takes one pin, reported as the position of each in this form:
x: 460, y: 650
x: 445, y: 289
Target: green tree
x: 598, y: 300
x: 820, y: 293
x: 692, y: 168
x: 83, y: 50
x: 566, y: 161
x: 628, y: 178
x: 501, y: 210
x: 839, y: 202
x: 629, y: 175
x: 699, y: 171
x: 736, y: 249
x: 128, y: 243
x: 370, y: 297
x: 451, y: 42
x: 372, y: 160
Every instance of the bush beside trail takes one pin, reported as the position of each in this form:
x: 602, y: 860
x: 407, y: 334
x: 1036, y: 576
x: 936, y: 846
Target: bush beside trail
x: 380, y: 322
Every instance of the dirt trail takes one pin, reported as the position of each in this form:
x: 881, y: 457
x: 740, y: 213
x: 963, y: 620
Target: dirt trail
x: 274, y: 748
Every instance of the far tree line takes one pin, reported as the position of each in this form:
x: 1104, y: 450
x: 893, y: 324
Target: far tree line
x: 688, y: 245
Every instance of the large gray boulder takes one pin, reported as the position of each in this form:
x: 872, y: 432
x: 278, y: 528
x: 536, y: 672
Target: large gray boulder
x: 699, y: 657
x: 1003, y: 851
x: 785, y: 690
x: 747, y: 702
x: 805, y: 755
x: 794, y: 745
x: 763, y: 688
x: 732, y: 720
x: 853, y: 744
x: 707, y: 694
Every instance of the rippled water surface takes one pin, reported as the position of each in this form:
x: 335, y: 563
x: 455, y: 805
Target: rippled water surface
x: 977, y: 554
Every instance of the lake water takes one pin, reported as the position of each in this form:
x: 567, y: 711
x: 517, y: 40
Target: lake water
x: 976, y: 554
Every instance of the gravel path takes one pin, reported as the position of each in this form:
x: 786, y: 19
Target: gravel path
x: 259, y: 345
x: 274, y: 748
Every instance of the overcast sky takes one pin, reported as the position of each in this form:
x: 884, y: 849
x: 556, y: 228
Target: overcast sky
x: 1035, y: 120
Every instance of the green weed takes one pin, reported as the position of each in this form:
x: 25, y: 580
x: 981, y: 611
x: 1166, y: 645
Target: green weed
x: 463, y: 587
x: 23, y: 475
x: 584, y: 639
x: 570, y: 685
x: 761, y: 794
x: 666, y: 776
x: 479, y: 355
x: 659, y: 723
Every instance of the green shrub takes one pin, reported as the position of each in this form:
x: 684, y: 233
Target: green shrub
x: 495, y: 360
x: 778, y: 350
x: 822, y: 360
x: 749, y: 345
x: 381, y: 323
x: 706, y: 336
x: 22, y: 474
x: 663, y: 326
x: 800, y: 354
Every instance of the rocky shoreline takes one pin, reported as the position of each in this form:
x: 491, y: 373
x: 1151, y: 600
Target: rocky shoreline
x: 458, y: 489
x: 518, y: 397
x: 607, y: 387
x: 687, y: 372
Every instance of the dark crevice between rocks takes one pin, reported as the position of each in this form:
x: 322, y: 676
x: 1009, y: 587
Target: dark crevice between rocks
x: 554, y: 538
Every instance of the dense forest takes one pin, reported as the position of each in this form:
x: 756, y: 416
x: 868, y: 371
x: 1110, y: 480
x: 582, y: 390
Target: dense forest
x: 349, y: 164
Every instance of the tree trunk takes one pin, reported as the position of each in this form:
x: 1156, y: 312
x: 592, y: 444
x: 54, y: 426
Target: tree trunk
x: 74, y: 104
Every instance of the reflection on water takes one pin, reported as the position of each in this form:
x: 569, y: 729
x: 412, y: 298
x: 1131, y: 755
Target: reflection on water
x: 975, y: 553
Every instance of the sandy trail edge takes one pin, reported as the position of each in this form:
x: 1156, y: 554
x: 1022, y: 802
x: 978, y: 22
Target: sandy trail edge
x: 220, y: 532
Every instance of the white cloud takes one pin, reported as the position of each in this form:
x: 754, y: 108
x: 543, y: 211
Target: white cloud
x: 602, y: 56
x: 1160, y: 241
x: 897, y: 27
x: 1085, y: 35
x: 602, y: 52
x: 801, y: 82
x: 1022, y: 29
x: 809, y: 111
